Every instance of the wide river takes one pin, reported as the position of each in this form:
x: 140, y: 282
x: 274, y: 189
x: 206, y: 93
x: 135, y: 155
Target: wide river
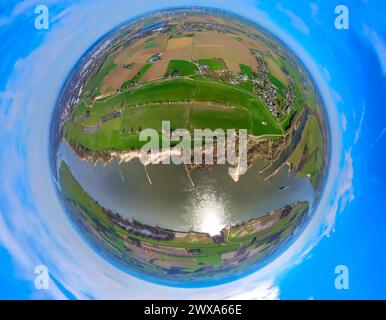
x: 171, y: 202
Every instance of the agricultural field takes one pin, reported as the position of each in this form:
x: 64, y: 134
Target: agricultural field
x: 247, y: 71
x: 202, y: 103
x: 138, y: 76
x: 196, y: 79
x: 213, y: 64
x: 307, y: 159
x: 181, y: 67
x: 95, y: 84
x: 232, y: 60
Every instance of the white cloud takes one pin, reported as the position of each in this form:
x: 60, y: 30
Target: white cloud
x: 314, y: 12
x: 344, y: 194
x: 337, y: 97
x: 296, y: 21
x: 378, y: 44
x: 343, y: 121
x: 262, y: 291
x: 326, y: 73
x: 360, y: 126
x: 22, y: 7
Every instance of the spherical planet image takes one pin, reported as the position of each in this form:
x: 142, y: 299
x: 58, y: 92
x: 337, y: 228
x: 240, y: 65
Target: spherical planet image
x: 189, y: 146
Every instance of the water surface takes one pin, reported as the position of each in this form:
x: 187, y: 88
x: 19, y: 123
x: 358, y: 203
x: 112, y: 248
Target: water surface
x: 172, y: 202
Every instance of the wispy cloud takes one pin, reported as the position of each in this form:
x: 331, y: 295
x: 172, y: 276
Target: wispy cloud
x: 360, y: 125
x: 20, y: 8
x: 314, y: 12
x: 379, y: 137
x: 296, y: 21
x: 343, y: 121
x: 326, y: 73
x: 344, y: 194
x: 263, y: 291
x: 379, y: 45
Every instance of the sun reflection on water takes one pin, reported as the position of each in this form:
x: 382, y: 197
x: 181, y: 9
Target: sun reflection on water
x: 209, y: 212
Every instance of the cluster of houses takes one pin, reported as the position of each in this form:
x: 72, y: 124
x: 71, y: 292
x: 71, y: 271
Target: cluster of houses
x: 199, y: 26
x: 265, y: 89
x: 268, y: 91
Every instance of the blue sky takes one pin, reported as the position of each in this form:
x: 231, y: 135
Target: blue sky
x: 349, y: 227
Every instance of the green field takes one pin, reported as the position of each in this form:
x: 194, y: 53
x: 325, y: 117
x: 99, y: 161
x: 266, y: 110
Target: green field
x: 182, y: 35
x: 144, y: 69
x: 151, y: 43
x: 213, y: 64
x: 307, y: 157
x: 246, y: 70
x: 278, y: 84
x: 237, y: 38
x: 286, y: 123
x: 183, y: 67
x: 138, y: 76
x: 96, y: 81
x: 195, y: 104
x: 240, y: 98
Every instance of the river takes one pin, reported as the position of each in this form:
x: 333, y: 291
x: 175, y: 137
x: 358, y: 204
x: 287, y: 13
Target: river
x: 171, y: 202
